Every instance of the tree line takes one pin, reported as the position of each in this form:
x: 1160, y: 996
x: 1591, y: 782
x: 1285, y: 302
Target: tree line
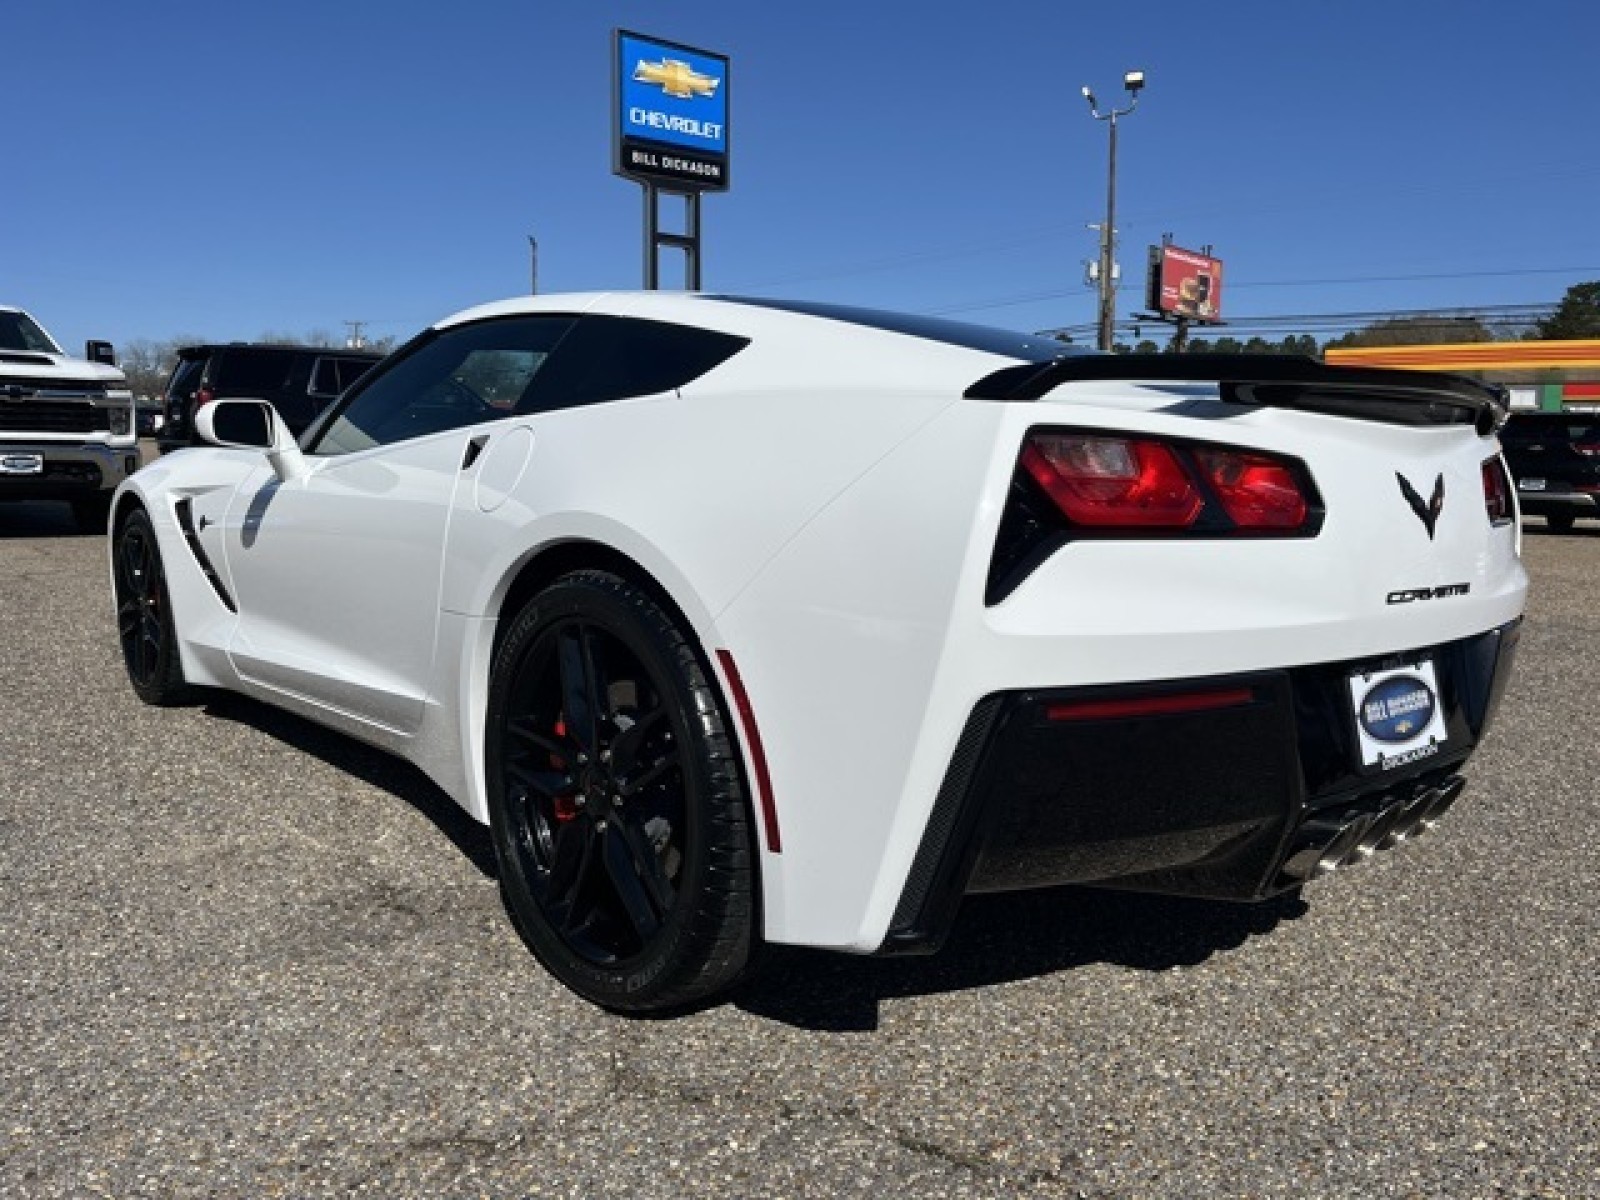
x: 1577, y: 316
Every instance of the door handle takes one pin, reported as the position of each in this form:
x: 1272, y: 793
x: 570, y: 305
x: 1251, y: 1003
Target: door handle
x: 474, y: 448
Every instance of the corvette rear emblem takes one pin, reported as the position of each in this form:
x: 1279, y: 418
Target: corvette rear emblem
x: 1427, y: 513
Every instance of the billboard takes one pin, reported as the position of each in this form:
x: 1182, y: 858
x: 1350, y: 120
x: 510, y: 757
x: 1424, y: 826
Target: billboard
x: 1184, y: 285
x: 670, y: 125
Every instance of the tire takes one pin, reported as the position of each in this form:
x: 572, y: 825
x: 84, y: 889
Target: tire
x: 91, y: 513
x: 617, y: 808
x: 1561, y: 522
x: 144, y: 615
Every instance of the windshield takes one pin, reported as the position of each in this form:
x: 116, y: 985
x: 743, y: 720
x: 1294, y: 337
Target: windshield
x: 19, y: 332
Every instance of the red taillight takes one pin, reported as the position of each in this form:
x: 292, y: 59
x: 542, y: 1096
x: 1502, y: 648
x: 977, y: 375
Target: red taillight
x: 1116, y: 482
x: 1496, y: 492
x: 1587, y: 449
x: 1100, y: 482
x: 1122, y: 707
x: 1258, y: 492
x: 204, y: 397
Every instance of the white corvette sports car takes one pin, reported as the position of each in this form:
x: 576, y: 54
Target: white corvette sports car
x: 743, y: 620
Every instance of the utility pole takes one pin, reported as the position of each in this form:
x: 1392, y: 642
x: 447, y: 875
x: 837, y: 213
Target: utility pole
x: 1134, y: 82
x: 533, y: 265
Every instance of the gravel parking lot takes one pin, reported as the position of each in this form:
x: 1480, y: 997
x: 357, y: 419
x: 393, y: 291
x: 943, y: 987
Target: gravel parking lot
x: 243, y: 957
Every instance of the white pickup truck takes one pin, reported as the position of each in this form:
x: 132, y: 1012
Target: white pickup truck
x: 67, y: 427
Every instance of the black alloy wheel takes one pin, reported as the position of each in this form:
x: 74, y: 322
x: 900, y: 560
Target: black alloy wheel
x: 617, y: 807
x: 144, y: 615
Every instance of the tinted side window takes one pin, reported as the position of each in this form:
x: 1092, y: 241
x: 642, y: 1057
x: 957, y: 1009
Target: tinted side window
x: 185, y: 377
x: 251, y: 372
x: 463, y: 376
x: 609, y: 358
x: 330, y: 376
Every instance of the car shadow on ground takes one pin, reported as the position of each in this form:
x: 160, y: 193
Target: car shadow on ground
x: 997, y: 939
x: 40, y: 519
x: 1003, y: 939
x: 368, y: 764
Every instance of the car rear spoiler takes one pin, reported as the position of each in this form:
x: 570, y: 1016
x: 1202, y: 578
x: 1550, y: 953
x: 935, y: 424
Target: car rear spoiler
x: 1276, y: 380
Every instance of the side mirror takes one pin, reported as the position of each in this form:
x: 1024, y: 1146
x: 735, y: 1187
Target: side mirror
x: 252, y: 425
x: 100, y: 352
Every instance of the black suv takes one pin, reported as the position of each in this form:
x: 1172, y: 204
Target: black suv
x: 1555, y: 460
x: 299, y: 381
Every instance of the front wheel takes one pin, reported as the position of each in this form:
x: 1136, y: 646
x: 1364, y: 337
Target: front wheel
x: 618, y: 813
x: 144, y: 615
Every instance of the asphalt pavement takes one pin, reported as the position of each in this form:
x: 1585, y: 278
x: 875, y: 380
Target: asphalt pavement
x: 242, y: 957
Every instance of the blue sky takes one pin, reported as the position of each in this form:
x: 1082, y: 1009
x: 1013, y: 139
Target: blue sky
x: 223, y: 169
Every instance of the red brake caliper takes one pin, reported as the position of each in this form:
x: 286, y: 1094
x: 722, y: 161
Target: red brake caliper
x: 566, y: 807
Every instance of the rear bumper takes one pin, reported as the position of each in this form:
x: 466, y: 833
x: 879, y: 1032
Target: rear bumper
x: 1238, y: 801
x: 69, y: 470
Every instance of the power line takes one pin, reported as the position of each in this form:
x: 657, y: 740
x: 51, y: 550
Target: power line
x: 1069, y: 293
x: 1500, y: 318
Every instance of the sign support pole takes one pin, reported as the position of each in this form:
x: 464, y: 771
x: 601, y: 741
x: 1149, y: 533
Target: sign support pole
x: 654, y: 239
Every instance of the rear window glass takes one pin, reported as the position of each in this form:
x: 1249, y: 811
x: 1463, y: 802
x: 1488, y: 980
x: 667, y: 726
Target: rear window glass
x: 610, y: 358
x: 1027, y: 347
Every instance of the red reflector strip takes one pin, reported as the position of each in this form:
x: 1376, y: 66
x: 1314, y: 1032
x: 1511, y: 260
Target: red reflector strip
x: 758, y: 755
x: 1149, y: 706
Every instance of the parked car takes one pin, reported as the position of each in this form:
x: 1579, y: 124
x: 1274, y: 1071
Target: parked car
x: 1555, y: 459
x: 298, y: 381
x: 740, y: 620
x: 66, y: 424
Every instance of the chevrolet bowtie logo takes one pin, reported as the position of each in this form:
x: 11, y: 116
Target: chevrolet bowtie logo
x: 676, y: 78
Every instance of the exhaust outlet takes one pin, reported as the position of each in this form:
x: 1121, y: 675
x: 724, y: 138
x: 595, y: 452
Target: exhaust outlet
x: 1412, y: 812
x: 1327, y: 843
x: 1345, y: 850
x: 1308, y: 862
x: 1381, y: 834
x: 1447, y: 796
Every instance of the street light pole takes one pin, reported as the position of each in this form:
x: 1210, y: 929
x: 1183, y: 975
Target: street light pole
x: 1134, y: 82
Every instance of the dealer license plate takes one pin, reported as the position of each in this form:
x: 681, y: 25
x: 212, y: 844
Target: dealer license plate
x: 1399, y: 716
x: 1530, y: 485
x: 21, y: 464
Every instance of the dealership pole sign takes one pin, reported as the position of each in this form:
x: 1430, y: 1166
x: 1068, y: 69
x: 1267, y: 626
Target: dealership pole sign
x: 671, y: 121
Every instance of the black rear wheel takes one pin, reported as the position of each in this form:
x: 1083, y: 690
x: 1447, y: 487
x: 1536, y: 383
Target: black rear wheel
x: 1561, y: 522
x: 618, y: 812
x: 144, y: 615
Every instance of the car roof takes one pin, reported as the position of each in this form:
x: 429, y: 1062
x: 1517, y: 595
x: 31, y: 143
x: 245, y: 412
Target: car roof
x: 213, y: 347
x: 752, y: 316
